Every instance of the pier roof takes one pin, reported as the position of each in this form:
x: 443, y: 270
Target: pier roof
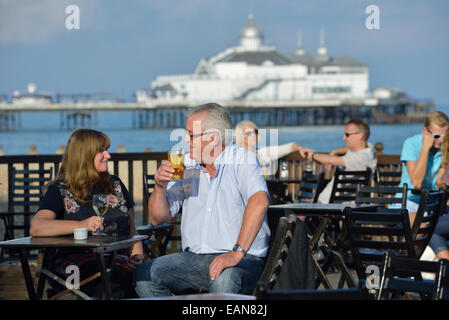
x: 256, y: 57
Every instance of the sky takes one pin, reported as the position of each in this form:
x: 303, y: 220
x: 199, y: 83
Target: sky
x: 121, y: 46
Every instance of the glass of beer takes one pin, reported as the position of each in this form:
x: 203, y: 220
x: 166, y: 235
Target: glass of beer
x: 176, y: 158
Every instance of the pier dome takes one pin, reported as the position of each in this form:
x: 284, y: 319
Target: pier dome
x: 251, y: 37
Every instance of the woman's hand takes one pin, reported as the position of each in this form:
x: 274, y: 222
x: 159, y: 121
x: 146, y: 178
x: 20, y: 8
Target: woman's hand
x: 427, y: 141
x: 134, y: 262
x: 94, y: 223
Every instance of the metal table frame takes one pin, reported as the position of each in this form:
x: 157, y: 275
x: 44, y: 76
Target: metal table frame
x: 326, y: 212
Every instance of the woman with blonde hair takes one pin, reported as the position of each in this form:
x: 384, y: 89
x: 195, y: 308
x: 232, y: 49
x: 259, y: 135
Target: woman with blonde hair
x: 443, y: 173
x: 67, y: 204
x: 440, y: 237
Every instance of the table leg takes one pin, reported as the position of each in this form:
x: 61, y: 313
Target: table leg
x: 321, y: 276
x: 318, y: 232
x: 27, y: 274
x: 42, y: 275
x: 104, y: 276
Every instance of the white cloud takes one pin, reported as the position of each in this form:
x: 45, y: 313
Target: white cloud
x: 33, y: 22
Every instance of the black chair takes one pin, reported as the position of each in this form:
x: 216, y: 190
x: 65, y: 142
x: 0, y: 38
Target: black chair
x: 309, y: 187
x: 345, y: 184
x: 388, y: 170
x: 278, y: 251
x: 431, y: 206
x: 278, y: 192
x: 370, y: 234
x: 387, y: 178
x: 344, y: 190
x: 158, y: 236
x: 382, y: 196
x: 262, y: 293
x: 402, y: 276
x: 24, y: 195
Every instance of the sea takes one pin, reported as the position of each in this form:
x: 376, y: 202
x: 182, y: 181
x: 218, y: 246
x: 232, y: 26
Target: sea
x: 42, y: 130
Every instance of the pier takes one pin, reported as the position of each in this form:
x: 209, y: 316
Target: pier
x: 263, y: 113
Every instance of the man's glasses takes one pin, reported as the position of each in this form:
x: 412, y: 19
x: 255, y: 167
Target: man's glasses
x: 251, y: 132
x: 347, y: 134
x: 435, y: 135
x: 193, y: 136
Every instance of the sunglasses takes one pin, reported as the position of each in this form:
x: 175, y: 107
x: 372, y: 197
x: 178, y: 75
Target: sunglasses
x: 347, y: 134
x: 435, y: 135
x: 251, y: 132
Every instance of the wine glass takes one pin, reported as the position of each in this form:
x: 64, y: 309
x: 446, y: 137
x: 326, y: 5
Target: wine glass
x: 100, y: 206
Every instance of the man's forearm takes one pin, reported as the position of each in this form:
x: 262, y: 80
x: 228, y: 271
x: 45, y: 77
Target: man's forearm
x: 328, y: 159
x: 339, y: 151
x: 158, y: 207
x: 253, y: 217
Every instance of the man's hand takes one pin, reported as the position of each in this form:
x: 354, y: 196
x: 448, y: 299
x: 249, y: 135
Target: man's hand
x: 303, y: 151
x: 164, y: 174
x: 223, y: 261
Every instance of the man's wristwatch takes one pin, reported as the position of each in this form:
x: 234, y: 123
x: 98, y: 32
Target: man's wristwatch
x: 238, y: 248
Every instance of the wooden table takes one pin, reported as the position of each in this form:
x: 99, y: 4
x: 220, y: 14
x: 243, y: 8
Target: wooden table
x: 326, y: 211
x: 97, y: 244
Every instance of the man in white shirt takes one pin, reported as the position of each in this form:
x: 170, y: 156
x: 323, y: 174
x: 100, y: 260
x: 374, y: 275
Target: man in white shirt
x: 358, y: 154
x: 224, y: 228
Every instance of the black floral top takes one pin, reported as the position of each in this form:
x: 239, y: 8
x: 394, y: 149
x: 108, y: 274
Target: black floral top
x: 63, y: 203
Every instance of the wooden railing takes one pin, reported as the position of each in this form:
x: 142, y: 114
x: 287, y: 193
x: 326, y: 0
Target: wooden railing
x: 130, y: 167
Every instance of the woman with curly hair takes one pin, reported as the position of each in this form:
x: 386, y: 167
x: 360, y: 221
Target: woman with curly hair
x: 67, y: 204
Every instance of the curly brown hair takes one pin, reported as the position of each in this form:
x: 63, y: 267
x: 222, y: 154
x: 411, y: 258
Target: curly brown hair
x: 445, y: 151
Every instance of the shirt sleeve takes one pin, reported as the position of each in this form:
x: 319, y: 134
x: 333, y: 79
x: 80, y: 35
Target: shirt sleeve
x: 250, y: 178
x: 360, y: 160
x: 52, y: 201
x: 410, y: 151
x: 268, y: 154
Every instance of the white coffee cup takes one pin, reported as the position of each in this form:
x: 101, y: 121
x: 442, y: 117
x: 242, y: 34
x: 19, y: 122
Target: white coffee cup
x: 80, y: 233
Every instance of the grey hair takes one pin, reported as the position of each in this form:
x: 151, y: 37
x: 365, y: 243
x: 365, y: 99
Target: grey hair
x: 239, y: 127
x: 218, y: 118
